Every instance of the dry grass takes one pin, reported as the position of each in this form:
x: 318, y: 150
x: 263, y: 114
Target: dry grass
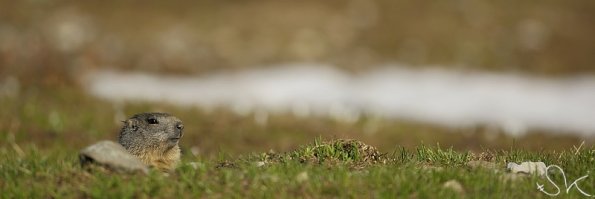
x: 56, y: 42
x: 67, y: 117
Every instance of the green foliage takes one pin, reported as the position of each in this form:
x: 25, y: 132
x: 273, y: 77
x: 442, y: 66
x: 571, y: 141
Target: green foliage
x: 440, y: 156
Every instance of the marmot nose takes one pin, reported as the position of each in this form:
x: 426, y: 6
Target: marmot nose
x: 179, y: 128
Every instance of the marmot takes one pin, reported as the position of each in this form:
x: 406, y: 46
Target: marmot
x: 153, y: 138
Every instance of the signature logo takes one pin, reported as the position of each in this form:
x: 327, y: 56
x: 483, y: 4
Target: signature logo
x: 541, y: 188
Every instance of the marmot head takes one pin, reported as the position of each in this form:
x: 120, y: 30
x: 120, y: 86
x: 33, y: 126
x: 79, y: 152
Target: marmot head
x: 146, y: 132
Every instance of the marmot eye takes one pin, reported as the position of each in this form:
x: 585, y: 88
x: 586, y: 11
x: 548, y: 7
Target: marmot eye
x: 180, y: 126
x: 152, y: 121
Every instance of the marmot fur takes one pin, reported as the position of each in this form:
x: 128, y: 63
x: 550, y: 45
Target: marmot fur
x: 153, y: 138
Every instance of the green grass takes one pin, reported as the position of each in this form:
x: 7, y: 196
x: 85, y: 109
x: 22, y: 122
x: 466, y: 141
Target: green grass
x: 49, y: 120
x: 230, y: 156
x: 339, y: 169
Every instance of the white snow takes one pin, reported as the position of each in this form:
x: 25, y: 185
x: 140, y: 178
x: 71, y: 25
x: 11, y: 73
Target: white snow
x: 453, y: 98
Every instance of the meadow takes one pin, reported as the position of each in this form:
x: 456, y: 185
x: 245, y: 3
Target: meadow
x: 230, y: 156
x: 318, y: 170
x: 48, y: 49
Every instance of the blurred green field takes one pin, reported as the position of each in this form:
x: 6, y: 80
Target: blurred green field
x: 69, y: 118
x: 58, y: 40
x: 49, y: 47
x: 317, y: 170
x: 42, y: 129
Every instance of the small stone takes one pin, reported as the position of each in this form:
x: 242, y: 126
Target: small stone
x: 111, y: 155
x: 302, y: 177
x: 537, y: 168
x: 454, y: 185
x: 195, y: 150
x: 260, y: 164
x: 274, y: 178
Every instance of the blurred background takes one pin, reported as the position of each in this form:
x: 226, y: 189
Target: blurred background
x: 270, y: 75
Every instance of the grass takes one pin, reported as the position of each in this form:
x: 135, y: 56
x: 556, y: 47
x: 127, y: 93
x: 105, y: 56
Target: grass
x: 51, y: 117
x: 550, y: 38
x: 335, y: 168
x: 230, y: 156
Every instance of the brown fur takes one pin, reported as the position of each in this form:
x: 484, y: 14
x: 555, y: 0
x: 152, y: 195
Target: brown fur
x: 162, y: 161
x: 153, y: 138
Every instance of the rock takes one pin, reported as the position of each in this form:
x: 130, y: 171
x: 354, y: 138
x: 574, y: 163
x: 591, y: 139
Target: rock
x: 454, y: 185
x: 195, y: 150
x: 537, y: 168
x: 260, y: 163
x: 302, y: 177
x: 475, y: 164
x: 112, y: 156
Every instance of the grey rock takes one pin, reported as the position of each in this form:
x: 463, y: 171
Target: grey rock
x: 455, y: 186
x: 111, y: 155
x: 537, y: 168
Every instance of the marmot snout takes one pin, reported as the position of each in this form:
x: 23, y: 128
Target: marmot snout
x: 154, y: 138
